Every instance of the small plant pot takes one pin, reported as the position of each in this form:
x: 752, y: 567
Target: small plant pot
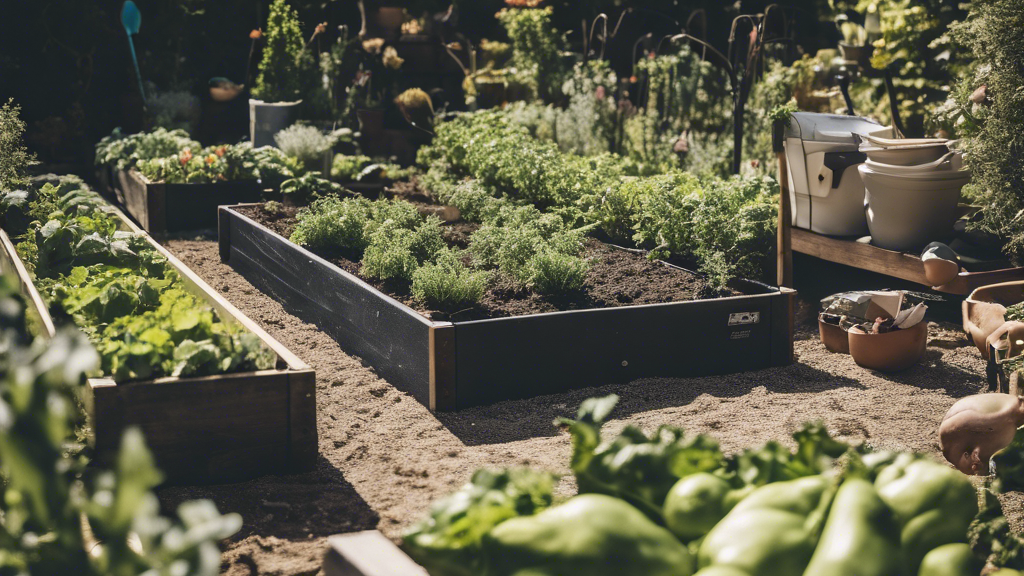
x: 984, y: 311
x: 891, y: 351
x: 833, y: 337
x: 860, y: 54
x: 389, y: 19
x: 225, y: 94
x: 269, y: 118
x: 371, y: 130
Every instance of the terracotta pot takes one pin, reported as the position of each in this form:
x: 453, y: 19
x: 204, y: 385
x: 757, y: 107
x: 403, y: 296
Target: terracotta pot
x: 833, y: 337
x: 940, y: 272
x: 371, y: 131
x: 390, y: 19
x: 984, y: 310
x: 859, y: 54
x: 889, y: 352
x: 225, y: 94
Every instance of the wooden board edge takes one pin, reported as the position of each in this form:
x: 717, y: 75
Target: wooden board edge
x: 217, y: 301
x: 442, y: 367
x: 156, y: 207
x: 363, y: 284
x: 783, y: 327
x: 28, y: 287
x: 224, y: 234
x: 302, y: 432
x: 367, y: 553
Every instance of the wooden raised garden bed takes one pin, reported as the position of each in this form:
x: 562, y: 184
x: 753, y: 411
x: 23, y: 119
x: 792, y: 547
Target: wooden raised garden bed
x: 222, y: 428
x: 454, y: 365
x: 161, y: 208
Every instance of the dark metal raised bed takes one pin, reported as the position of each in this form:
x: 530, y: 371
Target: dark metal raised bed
x: 160, y: 207
x: 454, y: 365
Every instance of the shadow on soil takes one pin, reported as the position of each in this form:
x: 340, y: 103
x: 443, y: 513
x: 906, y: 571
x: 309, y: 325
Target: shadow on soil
x: 318, y: 503
x: 532, y: 418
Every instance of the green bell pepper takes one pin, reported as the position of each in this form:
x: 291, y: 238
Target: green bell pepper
x: 934, y: 504
x: 951, y: 560
x: 771, y: 532
x: 589, y: 535
x: 861, y: 537
x: 698, y: 502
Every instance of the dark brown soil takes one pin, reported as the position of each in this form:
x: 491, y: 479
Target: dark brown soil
x: 617, y: 277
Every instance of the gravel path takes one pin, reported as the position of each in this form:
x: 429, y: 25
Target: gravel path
x: 384, y: 457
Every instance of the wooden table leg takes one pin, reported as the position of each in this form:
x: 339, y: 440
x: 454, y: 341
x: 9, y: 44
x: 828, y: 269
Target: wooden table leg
x: 785, y: 240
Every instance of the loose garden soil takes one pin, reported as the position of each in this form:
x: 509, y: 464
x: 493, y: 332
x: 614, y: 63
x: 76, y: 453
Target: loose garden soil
x: 384, y: 457
x: 617, y: 277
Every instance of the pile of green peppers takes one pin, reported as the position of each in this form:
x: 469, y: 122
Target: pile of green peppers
x: 664, y: 505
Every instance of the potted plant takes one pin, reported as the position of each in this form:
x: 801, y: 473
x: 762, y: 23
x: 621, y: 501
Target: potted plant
x: 374, y: 82
x: 278, y: 90
x: 854, y: 46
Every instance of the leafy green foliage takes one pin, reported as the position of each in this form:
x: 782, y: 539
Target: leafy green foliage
x: 397, y: 249
x: 448, y: 540
x: 56, y: 515
x: 553, y: 272
x: 14, y: 157
x: 123, y: 152
x: 365, y: 169
x: 213, y: 164
x: 286, y: 66
x: 123, y: 293
x: 334, y: 223
x: 536, y: 47
x: 309, y: 186
x: 641, y: 469
x: 990, y: 125
x: 447, y: 283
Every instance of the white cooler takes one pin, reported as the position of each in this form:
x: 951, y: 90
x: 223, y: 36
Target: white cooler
x: 826, y: 191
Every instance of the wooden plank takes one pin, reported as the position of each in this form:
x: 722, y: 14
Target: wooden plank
x: 222, y: 428
x: 784, y: 248
x: 860, y: 255
x: 896, y: 264
x: 302, y: 433
x: 36, y: 311
x: 384, y: 332
x: 442, y: 367
x: 160, y: 207
x: 225, y: 309
x: 526, y: 356
x: 367, y: 553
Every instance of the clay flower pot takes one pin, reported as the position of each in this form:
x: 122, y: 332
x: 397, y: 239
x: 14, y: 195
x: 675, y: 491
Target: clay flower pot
x: 891, y: 351
x: 833, y: 336
x: 984, y: 310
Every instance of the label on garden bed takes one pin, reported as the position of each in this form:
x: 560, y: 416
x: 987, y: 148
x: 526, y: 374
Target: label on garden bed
x: 740, y: 318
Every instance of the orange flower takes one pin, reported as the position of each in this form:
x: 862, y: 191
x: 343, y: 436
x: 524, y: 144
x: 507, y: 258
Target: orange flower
x: 220, y: 151
x: 211, y: 159
x: 185, y: 156
x: 633, y: 80
x: 256, y: 34
x: 321, y: 28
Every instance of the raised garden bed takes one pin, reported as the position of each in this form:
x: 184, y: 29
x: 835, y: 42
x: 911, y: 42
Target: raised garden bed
x: 222, y: 428
x: 450, y: 365
x: 160, y: 208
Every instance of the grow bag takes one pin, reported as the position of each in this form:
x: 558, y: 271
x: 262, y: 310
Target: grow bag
x: 453, y: 365
x: 209, y: 429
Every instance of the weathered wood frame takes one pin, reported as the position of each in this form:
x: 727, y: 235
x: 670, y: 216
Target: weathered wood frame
x: 223, y: 428
x: 454, y: 365
x: 160, y: 208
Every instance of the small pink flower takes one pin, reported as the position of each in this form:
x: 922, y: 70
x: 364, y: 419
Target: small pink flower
x: 185, y: 157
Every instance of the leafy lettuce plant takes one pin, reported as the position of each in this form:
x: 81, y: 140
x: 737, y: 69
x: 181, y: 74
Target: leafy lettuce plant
x: 122, y: 152
x: 58, y: 516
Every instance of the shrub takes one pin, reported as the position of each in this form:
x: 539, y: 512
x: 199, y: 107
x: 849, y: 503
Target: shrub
x: 395, y: 213
x: 446, y: 283
x: 309, y: 186
x: 536, y: 49
x: 14, y: 157
x: 308, y: 144
x: 553, y: 272
x: 396, y: 249
x: 333, y: 223
x: 285, y: 62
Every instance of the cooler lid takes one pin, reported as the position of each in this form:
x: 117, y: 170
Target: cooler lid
x: 815, y: 127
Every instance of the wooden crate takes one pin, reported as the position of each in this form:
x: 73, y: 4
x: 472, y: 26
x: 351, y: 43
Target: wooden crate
x: 161, y: 208
x: 454, y: 365
x: 223, y: 428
